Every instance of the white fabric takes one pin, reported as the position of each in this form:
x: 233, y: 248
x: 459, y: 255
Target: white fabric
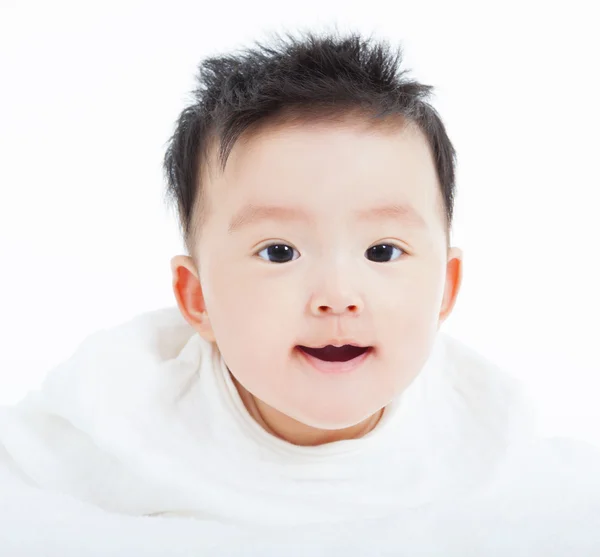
x: 140, y: 445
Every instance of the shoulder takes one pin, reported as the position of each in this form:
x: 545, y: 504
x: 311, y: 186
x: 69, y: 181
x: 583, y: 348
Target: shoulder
x: 118, y: 374
x: 544, y: 499
x: 490, y: 396
x: 121, y: 364
x: 470, y: 371
x: 565, y: 470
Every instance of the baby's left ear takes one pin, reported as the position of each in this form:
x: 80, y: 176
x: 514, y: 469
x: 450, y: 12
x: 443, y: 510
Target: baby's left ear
x: 454, y: 270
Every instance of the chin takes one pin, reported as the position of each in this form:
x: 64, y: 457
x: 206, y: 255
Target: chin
x: 331, y: 421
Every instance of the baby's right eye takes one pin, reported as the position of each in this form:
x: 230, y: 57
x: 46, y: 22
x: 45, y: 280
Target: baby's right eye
x: 278, y: 253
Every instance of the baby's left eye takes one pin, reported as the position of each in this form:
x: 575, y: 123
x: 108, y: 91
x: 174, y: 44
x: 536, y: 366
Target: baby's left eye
x: 383, y: 253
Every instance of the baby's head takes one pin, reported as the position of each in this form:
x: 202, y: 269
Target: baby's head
x: 315, y: 188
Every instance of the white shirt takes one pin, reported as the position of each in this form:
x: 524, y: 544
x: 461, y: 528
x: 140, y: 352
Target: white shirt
x: 144, y: 420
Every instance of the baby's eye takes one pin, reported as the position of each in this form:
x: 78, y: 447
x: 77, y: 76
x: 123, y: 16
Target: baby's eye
x: 278, y: 253
x: 383, y: 253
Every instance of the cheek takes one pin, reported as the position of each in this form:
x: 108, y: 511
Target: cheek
x: 255, y: 296
x: 248, y: 310
x: 411, y: 294
x: 255, y: 322
x: 409, y: 319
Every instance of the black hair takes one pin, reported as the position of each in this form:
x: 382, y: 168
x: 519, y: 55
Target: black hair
x: 314, y: 76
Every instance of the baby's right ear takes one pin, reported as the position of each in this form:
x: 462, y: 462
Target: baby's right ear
x: 189, y: 295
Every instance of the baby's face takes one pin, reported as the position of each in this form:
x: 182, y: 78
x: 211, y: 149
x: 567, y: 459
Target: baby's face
x: 317, y: 235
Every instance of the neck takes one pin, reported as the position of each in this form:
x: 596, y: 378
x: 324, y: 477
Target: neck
x: 295, y: 432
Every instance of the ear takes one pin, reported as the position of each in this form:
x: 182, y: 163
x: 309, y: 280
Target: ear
x: 454, y: 270
x: 188, y: 293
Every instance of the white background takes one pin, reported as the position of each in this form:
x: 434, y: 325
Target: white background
x: 89, y: 94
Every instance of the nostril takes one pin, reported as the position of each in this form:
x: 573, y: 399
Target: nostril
x: 329, y: 309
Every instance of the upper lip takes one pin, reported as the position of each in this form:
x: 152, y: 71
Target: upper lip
x: 337, y: 342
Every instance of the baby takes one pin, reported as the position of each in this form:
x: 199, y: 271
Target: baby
x: 301, y: 399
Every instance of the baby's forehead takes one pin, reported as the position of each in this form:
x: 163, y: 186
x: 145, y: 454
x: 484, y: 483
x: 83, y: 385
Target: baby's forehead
x: 320, y: 169
x: 323, y: 137
x: 310, y: 159
x: 318, y: 130
x: 252, y: 213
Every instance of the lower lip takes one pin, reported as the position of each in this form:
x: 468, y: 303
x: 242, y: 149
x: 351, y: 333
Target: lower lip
x: 333, y: 368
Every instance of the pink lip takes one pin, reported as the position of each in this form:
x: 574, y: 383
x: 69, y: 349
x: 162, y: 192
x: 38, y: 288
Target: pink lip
x: 335, y: 367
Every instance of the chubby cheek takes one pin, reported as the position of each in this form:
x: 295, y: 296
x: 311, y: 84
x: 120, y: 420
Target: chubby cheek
x: 254, y: 322
x: 411, y: 319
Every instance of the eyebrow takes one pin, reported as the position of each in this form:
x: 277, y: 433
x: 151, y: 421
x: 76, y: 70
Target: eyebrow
x: 252, y: 214
x: 404, y: 212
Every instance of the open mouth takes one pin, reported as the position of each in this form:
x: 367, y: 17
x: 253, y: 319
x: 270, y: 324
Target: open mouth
x: 332, y: 353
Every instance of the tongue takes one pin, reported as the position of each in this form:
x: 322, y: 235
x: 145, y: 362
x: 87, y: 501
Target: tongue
x: 334, y: 353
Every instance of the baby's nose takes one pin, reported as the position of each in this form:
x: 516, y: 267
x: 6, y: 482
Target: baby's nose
x: 340, y: 306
